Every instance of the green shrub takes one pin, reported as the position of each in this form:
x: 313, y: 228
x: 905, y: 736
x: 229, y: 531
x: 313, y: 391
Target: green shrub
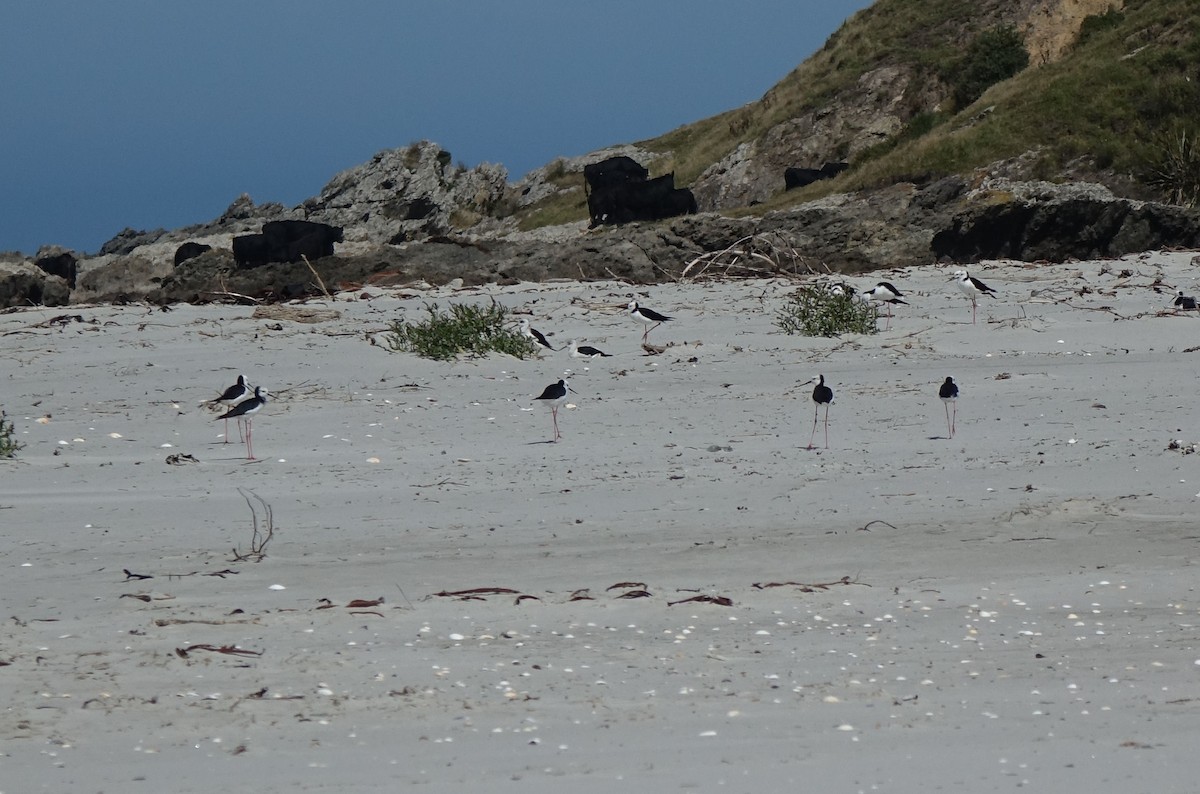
x: 995, y: 54
x: 1095, y: 24
x: 1175, y: 167
x: 816, y: 311
x: 467, y: 330
x: 8, y: 445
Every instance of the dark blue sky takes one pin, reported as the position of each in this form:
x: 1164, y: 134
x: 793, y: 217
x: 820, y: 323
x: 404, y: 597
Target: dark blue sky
x: 150, y: 114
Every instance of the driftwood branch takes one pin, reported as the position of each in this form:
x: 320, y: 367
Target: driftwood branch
x: 260, y: 536
x: 753, y: 256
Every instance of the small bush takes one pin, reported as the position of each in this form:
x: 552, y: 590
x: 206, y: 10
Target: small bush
x: 1094, y: 24
x: 815, y: 311
x: 8, y: 445
x: 467, y: 330
x: 996, y: 54
x: 1175, y: 167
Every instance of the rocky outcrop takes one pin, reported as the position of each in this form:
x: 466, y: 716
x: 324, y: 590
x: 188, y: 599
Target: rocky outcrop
x: 754, y: 171
x: 407, y: 194
x: 24, y: 284
x: 58, y: 261
x: 902, y: 225
x: 1033, y: 221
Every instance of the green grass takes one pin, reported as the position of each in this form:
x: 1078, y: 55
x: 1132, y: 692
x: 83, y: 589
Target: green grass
x: 8, y: 445
x: 815, y: 311
x: 473, y: 331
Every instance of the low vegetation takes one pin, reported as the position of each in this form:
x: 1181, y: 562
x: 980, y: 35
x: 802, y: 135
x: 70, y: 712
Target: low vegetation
x: 9, y: 446
x: 465, y: 330
x: 994, y: 55
x: 1175, y: 166
x: 818, y: 311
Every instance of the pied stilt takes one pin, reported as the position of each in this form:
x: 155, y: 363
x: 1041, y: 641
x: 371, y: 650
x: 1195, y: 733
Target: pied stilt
x: 949, y: 394
x: 586, y: 351
x: 246, y: 410
x: 534, y: 334
x: 647, y: 317
x: 822, y: 395
x: 972, y: 288
x: 886, y: 292
x: 231, y: 395
x: 554, y: 396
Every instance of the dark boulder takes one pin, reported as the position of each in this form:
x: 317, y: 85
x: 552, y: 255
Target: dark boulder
x: 619, y: 192
x: 1074, y: 228
x: 620, y: 170
x: 189, y: 250
x: 286, y: 241
x: 58, y: 262
x: 799, y: 177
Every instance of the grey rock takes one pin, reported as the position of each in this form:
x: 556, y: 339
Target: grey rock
x: 23, y: 284
x: 408, y: 194
x: 127, y: 240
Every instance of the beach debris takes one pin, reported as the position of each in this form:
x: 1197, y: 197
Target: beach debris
x: 707, y: 599
x: 809, y: 587
x: 1178, y: 445
x: 477, y: 593
x: 259, y: 536
x: 231, y: 650
x: 181, y: 459
x: 129, y: 575
x: 754, y: 256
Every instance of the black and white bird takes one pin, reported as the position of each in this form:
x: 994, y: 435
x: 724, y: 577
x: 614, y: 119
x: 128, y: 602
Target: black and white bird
x: 586, y: 351
x: 647, y: 317
x: 245, y: 410
x: 949, y: 395
x: 822, y: 395
x: 1185, y: 302
x: 534, y: 334
x: 555, y: 396
x: 972, y: 288
x: 231, y: 395
x: 886, y: 292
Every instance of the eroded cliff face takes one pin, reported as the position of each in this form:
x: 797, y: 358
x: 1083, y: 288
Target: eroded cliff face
x: 1050, y: 27
x: 882, y: 102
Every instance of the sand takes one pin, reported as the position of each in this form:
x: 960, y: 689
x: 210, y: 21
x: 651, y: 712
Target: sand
x: 678, y: 595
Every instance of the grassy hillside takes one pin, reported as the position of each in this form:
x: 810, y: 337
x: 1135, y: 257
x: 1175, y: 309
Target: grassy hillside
x: 1122, y: 106
x: 1118, y: 103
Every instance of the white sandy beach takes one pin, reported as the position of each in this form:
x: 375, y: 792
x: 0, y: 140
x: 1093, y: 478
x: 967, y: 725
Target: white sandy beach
x: 1014, y: 608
